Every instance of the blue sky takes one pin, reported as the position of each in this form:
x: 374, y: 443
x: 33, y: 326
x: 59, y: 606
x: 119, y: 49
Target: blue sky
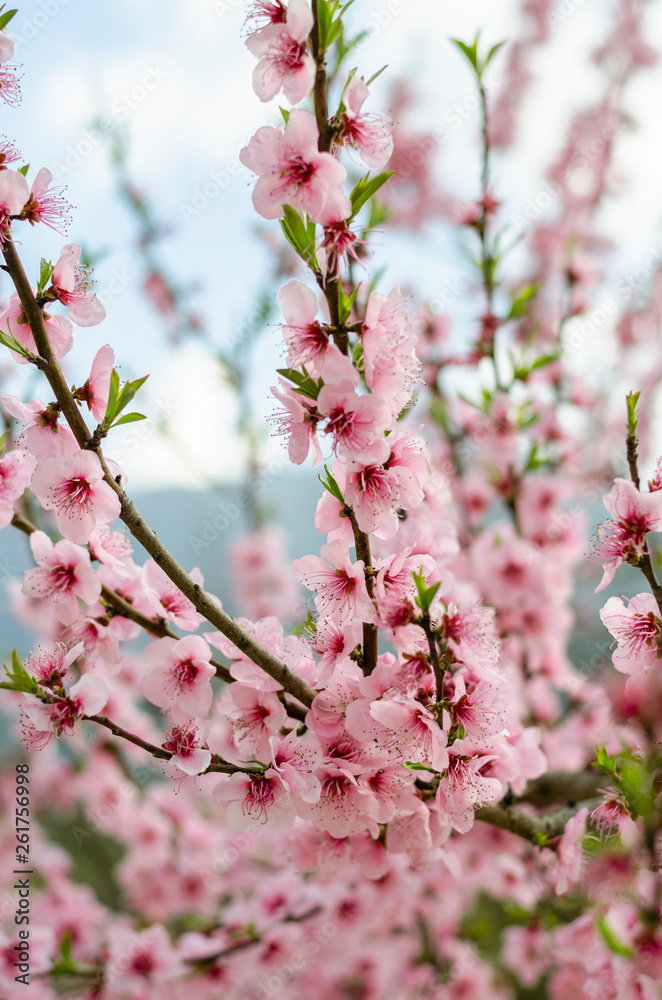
x: 177, y: 76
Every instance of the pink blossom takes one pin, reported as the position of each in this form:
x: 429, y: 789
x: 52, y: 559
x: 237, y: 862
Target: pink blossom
x: 14, y: 322
x: 16, y: 469
x: 294, y: 760
x: 10, y: 91
x: 6, y: 47
x: 299, y: 423
x: 255, y: 716
x: 343, y: 807
x: 46, y: 204
x: 49, y: 666
x: 418, y: 736
x: 306, y: 340
x: 97, y: 387
x: 188, y: 756
x: 64, y: 575
x: 332, y: 643
x: 527, y: 952
x: 570, y: 855
x: 357, y: 423
x: 44, y: 435
x: 283, y: 61
x: 14, y: 192
x: 112, y: 548
x: 62, y: 715
x: 338, y: 582
x: 634, y: 514
x: 389, y: 350
x: 71, y: 284
x: 138, y: 960
x: 167, y: 600
x: 463, y: 788
x: 637, y: 629
x: 338, y: 244
x: 255, y: 800
x: 378, y: 492
x: 75, y: 489
x: 8, y: 153
x: 180, y: 675
x: 268, y: 11
x: 292, y: 172
x: 369, y: 133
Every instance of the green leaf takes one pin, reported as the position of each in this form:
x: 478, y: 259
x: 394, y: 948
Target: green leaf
x: 366, y: 188
x: 19, y: 679
x: 6, y: 18
x: 632, y: 401
x: 375, y: 75
x: 469, y: 51
x: 306, y: 386
x: 604, y: 762
x: 345, y: 303
x: 331, y: 485
x: 490, y: 55
x: 118, y: 398
x: 612, y: 942
x: 518, y: 306
x: 129, y: 418
x: 285, y: 113
x: 13, y: 345
x: 45, y: 271
x: 299, y: 235
x: 24, y: 169
x: 414, y: 766
x: 541, y: 839
x: 426, y: 594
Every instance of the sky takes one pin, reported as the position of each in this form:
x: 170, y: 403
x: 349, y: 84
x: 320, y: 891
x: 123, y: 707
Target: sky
x: 177, y: 77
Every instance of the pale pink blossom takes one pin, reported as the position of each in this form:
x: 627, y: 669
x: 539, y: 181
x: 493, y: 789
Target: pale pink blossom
x: 339, y: 584
x: 343, y: 808
x: 180, y: 675
x: 72, y: 285
x: 14, y: 192
x: 294, y: 760
x: 634, y: 514
x: 357, y: 423
x: 140, y: 962
x: 49, y: 666
x: 61, y: 716
x: 637, y: 629
x: 10, y: 91
x: 306, y: 340
x: 14, y: 322
x: 463, y: 788
x: 298, y: 423
x: 46, y: 203
x: 75, y: 489
x: 188, y: 756
x: 167, y: 600
x: 255, y: 717
x: 284, y: 63
x: 291, y: 171
x: 371, y: 134
x: 16, y: 470
x: 64, y: 575
x: 568, y: 869
x: 96, y: 389
x: 417, y: 735
x: 112, y: 548
x: 255, y: 800
x: 43, y: 436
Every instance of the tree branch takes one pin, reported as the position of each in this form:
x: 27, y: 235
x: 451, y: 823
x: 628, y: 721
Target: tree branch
x: 532, y: 828
x: 136, y: 524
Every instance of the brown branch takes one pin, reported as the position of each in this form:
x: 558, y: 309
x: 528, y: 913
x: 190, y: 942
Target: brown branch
x: 136, y: 524
x: 370, y: 631
x: 562, y: 786
x: 217, y: 763
x: 533, y: 828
